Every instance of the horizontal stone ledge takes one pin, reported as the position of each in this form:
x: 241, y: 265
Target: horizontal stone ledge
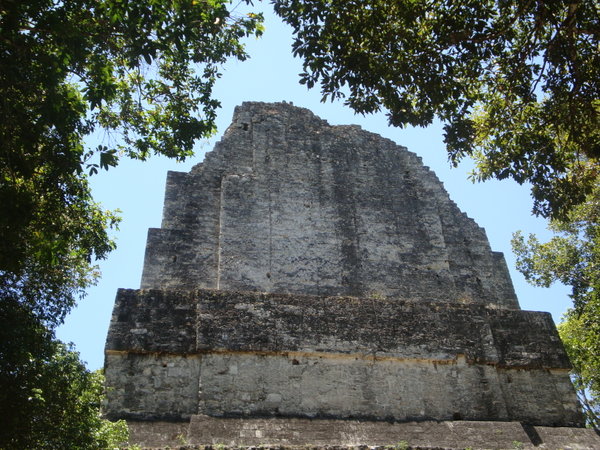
x: 192, y: 322
x: 292, y: 432
x: 459, y: 360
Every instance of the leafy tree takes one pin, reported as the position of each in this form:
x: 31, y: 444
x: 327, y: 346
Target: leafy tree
x: 572, y: 257
x: 48, y: 398
x: 516, y: 83
x: 581, y: 336
x: 141, y: 73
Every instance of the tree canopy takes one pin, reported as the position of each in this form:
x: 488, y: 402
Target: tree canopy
x: 139, y: 74
x: 516, y: 83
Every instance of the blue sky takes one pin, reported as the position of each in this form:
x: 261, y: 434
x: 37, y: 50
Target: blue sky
x: 271, y: 75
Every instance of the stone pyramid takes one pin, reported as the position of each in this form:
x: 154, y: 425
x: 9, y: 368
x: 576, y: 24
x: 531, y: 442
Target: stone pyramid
x: 319, y: 274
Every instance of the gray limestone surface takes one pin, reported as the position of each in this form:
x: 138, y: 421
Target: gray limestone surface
x: 307, y: 271
x: 173, y: 354
x: 204, y: 432
x: 287, y: 203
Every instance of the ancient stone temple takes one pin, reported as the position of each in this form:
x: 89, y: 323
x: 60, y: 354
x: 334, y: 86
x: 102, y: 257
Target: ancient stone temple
x: 314, y: 284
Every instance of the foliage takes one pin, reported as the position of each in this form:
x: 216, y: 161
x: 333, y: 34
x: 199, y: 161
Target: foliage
x: 50, y: 235
x: 139, y: 73
x: 48, y: 398
x: 572, y: 257
x: 516, y: 83
x: 580, y: 334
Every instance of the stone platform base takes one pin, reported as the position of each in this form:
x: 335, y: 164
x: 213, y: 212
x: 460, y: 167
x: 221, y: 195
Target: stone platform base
x: 289, y: 432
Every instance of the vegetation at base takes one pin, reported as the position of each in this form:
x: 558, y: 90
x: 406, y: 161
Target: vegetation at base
x: 581, y: 337
x: 48, y: 400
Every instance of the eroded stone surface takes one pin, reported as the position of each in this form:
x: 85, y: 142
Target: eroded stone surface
x: 341, y: 434
x: 242, y: 353
x: 188, y: 322
x: 287, y: 203
x: 306, y: 270
x: 151, y: 386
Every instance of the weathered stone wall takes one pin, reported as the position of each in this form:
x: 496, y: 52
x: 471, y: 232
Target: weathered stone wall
x: 151, y: 385
x: 325, y: 385
x: 186, y: 322
x: 228, y: 353
x: 409, y: 314
x: 287, y: 203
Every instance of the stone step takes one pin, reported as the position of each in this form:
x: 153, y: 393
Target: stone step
x: 219, y: 433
